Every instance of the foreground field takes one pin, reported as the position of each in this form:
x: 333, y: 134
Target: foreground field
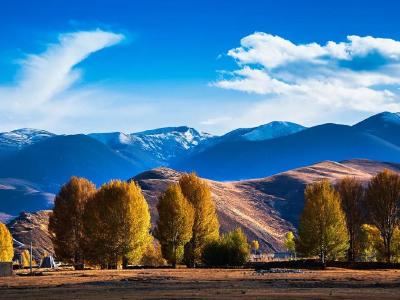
x: 203, y: 283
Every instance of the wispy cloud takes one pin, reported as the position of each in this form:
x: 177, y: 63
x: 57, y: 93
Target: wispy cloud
x: 44, y: 91
x: 315, y: 83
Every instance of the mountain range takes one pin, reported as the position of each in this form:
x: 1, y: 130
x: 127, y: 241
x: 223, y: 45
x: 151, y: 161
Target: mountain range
x: 35, y: 163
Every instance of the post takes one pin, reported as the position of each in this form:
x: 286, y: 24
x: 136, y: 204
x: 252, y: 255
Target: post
x: 30, y: 256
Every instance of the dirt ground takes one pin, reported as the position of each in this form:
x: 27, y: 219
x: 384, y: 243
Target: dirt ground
x: 203, y: 283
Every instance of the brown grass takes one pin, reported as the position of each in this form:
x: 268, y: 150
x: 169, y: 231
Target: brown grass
x: 203, y: 283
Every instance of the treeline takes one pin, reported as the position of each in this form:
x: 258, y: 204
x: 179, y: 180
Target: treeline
x: 350, y: 220
x: 110, y: 227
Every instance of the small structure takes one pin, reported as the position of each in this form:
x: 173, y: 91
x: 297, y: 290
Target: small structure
x: 282, y: 256
x: 6, y: 269
x: 48, y: 262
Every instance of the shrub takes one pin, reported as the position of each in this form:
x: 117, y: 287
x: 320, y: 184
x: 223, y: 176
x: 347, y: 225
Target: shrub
x: 231, y: 249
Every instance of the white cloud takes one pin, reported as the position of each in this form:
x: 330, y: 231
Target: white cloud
x: 357, y: 76
x: 44, y: 92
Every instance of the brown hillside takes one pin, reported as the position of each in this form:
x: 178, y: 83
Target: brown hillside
x: 268, y: 207
x: 265, y: 208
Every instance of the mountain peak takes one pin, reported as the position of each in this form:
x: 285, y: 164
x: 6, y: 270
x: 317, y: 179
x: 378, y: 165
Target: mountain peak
x: 263, y: 132
x: 22, y: 137
x: 381, y: 118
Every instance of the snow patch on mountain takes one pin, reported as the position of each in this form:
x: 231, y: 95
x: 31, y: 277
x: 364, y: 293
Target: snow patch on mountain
x: 156, y: 146
x: 17, y: 139
x: 272, y: 130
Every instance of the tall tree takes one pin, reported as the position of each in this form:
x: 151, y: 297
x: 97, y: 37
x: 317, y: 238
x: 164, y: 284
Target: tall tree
x: 290, y: 243
x: 352, y: 194
x: 383, y: 197
x: 322, y: 229
x: 6, y: 244
x: 175, y: 223
x: 66, y: 221
x: 206, y: 225
x: 117, y: 225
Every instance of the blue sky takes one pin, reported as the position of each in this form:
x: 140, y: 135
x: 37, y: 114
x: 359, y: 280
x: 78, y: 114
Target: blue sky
x: 87, y: 66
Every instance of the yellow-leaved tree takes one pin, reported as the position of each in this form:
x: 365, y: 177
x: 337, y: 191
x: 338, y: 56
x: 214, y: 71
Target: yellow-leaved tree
x: 290, y: 243
x: 383, y: 202
x: 25, y: 258
x: 117, y: 225
x: 66, y: 221
x: 6, y: 244
x: 255, y: 245
x: 175, y: 223
x: 206, y: 225
x: 322, y: 228
x: 352, y: 197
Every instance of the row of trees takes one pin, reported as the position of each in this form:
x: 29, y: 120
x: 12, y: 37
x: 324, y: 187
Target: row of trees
x: 350, y: 220
x: 111, y: 226
x: 107, y: 227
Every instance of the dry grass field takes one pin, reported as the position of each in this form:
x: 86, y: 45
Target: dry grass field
x: 203, y: 283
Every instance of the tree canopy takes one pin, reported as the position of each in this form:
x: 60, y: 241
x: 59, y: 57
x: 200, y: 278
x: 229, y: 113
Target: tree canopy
x: 206, y: 225
x: 66, y: 221
x: 175, y: 223
x: 6, y: 244
x: 352, y: 193
x: 383, y: 200
x: 322, y: 229
x: 117, y: 225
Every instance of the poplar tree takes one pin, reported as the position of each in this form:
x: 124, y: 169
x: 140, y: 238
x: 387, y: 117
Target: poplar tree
x: 66, y: 221
x: 25, y: 258
x: 352, y: 197
x: 6, y: 244
x: 383, y: 197
x: 290, y: 243
x: 206, y: 225
x: 322, y: 229
x: 175, y: 223
x: 117, y: 225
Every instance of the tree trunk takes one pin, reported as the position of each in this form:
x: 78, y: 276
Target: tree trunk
x: 174, y: 255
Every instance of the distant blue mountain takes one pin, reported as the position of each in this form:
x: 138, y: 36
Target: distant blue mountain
x: 243, y: 159
x: 263, y: 132
x: 42, y: 157
x: 20, y: 138
x: 385, y: 125
x: 53, y: 161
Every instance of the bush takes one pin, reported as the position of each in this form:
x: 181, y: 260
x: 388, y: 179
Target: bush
x: 231, y: 249
x: 153, y: 256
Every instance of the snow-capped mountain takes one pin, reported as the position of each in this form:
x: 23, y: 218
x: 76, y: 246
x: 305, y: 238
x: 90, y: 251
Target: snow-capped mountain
x: 154, y: 147
x: 264, y: 132
x: 272, y: 130
x: 18, y: 139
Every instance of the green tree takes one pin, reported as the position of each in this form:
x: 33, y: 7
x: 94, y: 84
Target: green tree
x: 322, y: 229
x: 352, y: 197
x: 117, y: 225
x: 66, y: 221
x: 206, y: 225
x: 290, y: 243
x: 175, y: 223
x: 372, y: 245
x: 6, y: 244
x: 383, y: 199
x: 231, y: 249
